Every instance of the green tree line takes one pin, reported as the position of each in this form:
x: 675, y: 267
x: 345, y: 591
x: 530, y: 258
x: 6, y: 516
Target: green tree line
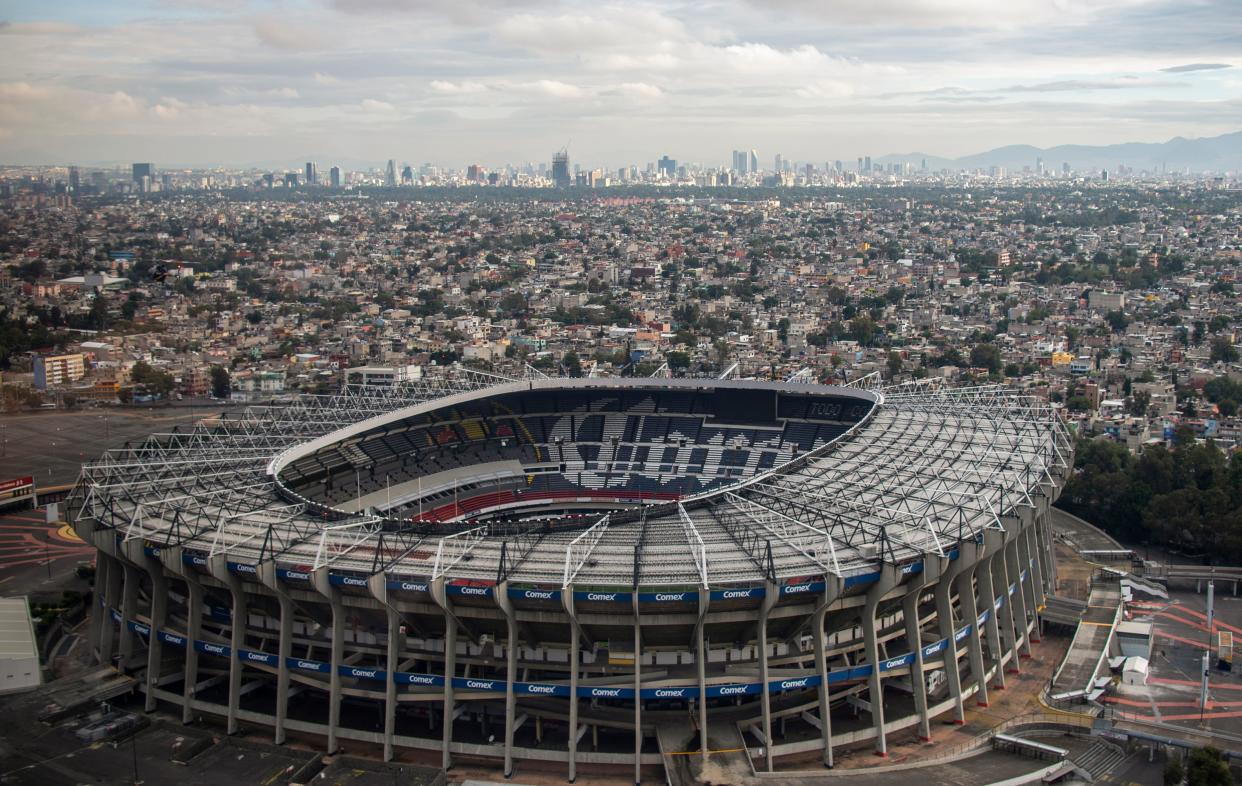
x: 1187, y: 498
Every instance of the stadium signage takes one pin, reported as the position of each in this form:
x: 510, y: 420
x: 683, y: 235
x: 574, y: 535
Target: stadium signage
x: 897, y: 663
x: 116, y: 615
x: 309, y: 665
x: 985, y: 616
x: 407, y: 678
x: 668, y: 597
x: 801, y: 682
x: 1013, y: 588
x: 195, y: 560
x: 266, y: 658
x: 172, y: 638
x: 935, y: 649
x: 212, y: 649
x: 362, y: 674
x: 607, y: 693
x: 408, y: 586
x: 913, y: 567
x: 604, y: 597
x: 731, y: 690
x: 139, y: 628
x: 482, y: 592
x: 495, y: 686
x: 237, y: 567
x: 669, y: 693
x: 738, y: 594
x: 294, y: 575
x: 961, y: 634
x: 803, y: 588
x: 535, y: 594
x: 346, y: 581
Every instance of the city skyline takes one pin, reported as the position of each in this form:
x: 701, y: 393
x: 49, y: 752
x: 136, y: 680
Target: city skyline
x: 238, y: 82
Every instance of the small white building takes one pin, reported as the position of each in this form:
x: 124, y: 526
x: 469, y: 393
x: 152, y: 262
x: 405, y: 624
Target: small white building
x: 1134, y: 671
x: 19, y: 653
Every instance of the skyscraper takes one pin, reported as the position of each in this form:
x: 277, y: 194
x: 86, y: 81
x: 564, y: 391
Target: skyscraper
x: 407, y: 175
x: 390, y: 174
x: 334, y: 177
x: 754, y: 160
x: 144, y: 174
x: 312, y: 174
x: 667, y: 166
x: 777, y: 164
x: 867, y: 163
x: 560, y: 168
x: 75, y: 180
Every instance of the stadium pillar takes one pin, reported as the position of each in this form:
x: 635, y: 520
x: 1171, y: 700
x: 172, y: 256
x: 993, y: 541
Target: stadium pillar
x: 194, y: 628
x: 159, y: 618
x: 987, y: 591
x: 638, y: 693
x: 334, y: 682
x: 501, y: 596
x: 970, y: 613
x: 700, y: 659
x: 129, y: 612
x: 390, y: 684
x: 219, y: 568
x: 567, y: 600
x: 103, y: 588
x: 450, y: 669
x: 932, y: 568
x: 1014, y: 567
x: 1000, y: 575
x: 769, y: 600
x: 267, y: 575
x: 889, y: 579
x: 948, y: 632
x: 832, y: 591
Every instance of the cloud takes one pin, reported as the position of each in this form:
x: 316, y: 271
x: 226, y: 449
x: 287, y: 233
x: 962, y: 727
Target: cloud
x: 281, y: 35
x: 1067, y: 85
x: 38, y: 28
x: 1185, y: 69
x: 554, y: 88
x: 455, y: 88
x: 325, y: 79
x: 372, y: 105
x: 641, y: 90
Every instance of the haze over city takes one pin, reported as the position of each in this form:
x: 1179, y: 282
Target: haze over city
x: 232, y: 82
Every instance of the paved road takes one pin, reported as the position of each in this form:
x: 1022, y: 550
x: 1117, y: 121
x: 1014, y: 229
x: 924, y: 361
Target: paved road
x: 37, y: 557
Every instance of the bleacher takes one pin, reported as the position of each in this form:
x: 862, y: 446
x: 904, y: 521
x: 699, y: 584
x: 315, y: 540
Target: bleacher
x: 660, y: 445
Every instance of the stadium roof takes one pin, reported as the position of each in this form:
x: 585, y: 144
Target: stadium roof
x: 927, y: 468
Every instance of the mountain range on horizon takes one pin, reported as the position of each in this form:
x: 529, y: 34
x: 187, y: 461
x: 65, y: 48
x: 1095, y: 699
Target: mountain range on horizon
x: 1207, y: 154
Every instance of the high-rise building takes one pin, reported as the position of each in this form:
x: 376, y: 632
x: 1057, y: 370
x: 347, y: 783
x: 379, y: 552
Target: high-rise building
x: 75, y: 180
x: 407, y: 175
x: 144, y: 175
x: 291, y: 180
x: 754, y: 160
x: 312, y: 174
x: 667, y: 166
x: 390, y: 174
x: 778, y: 164
x: 866, y: 163
x: 334, y: 177
x: 560, y: 169
x: 474, y: 173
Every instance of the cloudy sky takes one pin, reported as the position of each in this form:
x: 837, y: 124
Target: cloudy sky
x: 240, y: 82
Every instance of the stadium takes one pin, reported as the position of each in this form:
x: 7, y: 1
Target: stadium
x: 585, y: 571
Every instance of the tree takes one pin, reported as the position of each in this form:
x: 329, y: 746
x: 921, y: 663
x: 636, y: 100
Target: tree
x: 1117, y: 321
x: 221, y: 384
x: 894, y: 363
x: 986, y: 356
x: 1207, y: 767
x: 573, y: 366
x: 150, y: 380
x: 1139, y: 403
x: 1223, y: 350
x: 1173, y: 773
x: 678, y: 360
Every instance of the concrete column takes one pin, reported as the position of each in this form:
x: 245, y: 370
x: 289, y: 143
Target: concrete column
x: 284, y: 648
x: 825, y: 697
x: 194, y: 628
x: 159, y: 618
x: 395, y: 640
x: 334, y: 684
x: 948, y: 629
x: 129, y: 612
x: 501, y: 596
x: 974, y: 645
x: 98, y: 610
x: 889, y: 579
x: 987, y: 589
x: 769, y: 600
x: 450, y: 669
x: 1019, y: 597
x: 914, y: 639
x: 567, y: 599
x: 1008, y: 624
x: 700, y: 660
x: 218, y: 565
x: 638, y: 697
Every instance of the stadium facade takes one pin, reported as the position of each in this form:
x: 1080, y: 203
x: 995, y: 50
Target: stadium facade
x: 567, y: 570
